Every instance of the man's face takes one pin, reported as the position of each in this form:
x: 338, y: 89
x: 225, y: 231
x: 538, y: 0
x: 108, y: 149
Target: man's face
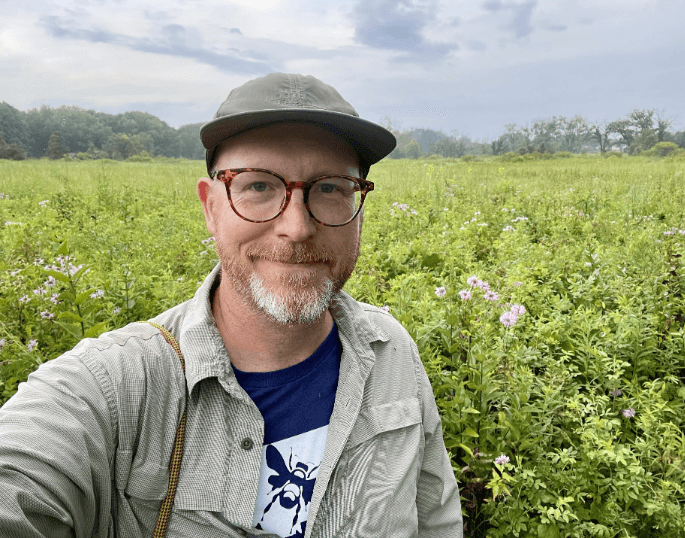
x: 290, y: 267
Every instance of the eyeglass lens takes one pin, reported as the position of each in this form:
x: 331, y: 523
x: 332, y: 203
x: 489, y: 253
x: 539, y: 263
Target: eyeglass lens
x: 260, y: 196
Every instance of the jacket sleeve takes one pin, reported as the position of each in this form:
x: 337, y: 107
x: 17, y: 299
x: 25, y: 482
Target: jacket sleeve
x: 437, y: 498
x: 56, y: 445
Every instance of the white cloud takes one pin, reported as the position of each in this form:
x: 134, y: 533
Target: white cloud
x: 473, y: 66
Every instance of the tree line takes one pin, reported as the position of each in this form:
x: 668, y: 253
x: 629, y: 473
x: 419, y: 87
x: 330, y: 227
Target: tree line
x: 639, y: 131
x: 56, y: 132
x: 86, y: 134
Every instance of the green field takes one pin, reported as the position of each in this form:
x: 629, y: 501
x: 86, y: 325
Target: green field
x: 565, y: 361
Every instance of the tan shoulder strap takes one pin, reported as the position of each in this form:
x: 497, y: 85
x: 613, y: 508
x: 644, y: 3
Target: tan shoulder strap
x: 177, y: 454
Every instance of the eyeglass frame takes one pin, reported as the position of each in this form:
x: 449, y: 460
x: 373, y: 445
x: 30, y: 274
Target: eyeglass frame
x: 227, y: 175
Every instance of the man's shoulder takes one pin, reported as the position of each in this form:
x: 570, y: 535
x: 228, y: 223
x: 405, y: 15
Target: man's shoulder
x: 380, y: 320
x: 132, y: 355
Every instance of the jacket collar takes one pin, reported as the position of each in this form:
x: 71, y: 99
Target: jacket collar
x: 205, y: 354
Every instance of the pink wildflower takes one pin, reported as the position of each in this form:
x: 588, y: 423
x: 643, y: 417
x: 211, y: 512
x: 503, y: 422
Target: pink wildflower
x: 508, y: 319
x: 518, y: 309
x: 465, y: 295
x: 629, y: 413
x: 490, y: 296
x: 472, y: 281
x: 502, y: 460
x: 441, y: 291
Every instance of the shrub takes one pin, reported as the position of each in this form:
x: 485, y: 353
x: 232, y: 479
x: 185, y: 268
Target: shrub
x: 563, y: 155
x: 142, y: 157
x: 511, y: 156
x: 662, y: 149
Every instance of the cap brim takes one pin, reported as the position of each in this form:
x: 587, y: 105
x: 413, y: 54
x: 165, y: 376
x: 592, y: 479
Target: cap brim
x: 371, y: 141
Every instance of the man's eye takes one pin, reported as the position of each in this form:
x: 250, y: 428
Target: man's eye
x: 259, y: 186
x: 327, y: 188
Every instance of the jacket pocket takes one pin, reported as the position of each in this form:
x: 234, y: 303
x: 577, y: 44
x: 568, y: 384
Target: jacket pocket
x: 374, y: 486
x: 373, y: 420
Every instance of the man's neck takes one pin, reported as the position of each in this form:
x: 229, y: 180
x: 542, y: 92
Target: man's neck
x: 255, y: 342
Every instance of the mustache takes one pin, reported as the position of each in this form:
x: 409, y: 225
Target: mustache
x: 297, y: 253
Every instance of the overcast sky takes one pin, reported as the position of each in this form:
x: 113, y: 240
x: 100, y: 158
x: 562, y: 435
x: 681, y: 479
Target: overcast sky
x: 454, y: 65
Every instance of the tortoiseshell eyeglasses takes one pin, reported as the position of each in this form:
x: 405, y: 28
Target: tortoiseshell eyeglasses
x: 260, y: 195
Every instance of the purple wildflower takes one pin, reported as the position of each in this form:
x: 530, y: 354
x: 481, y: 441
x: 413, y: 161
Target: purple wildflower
x: 502, y: 460
x: 50, y: 282
x: 441, y: 291
x: 508, y: 319
x: 385, y: 308
x: 518, y: 309
x: 54, y: 298
x: 47, y: 315
x: 116, y: 310
x: 465, y: 295
x: 40, y: 290
x: 24, y: 299
x: 629, y: 413
x: 490, y: 296
x: 32, y: 345
x: 472, y: 281
x: 97, y: 294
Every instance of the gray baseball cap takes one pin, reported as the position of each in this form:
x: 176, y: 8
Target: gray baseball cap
x: 284, y: 98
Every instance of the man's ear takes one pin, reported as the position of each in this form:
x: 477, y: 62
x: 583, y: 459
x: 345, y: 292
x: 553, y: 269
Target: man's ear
x: 205, y: 188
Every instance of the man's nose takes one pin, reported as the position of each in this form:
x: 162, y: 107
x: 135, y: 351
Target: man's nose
x: 295, y: 222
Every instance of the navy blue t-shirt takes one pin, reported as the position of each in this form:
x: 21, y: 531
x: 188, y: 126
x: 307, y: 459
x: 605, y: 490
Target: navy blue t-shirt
x: 296, y: 404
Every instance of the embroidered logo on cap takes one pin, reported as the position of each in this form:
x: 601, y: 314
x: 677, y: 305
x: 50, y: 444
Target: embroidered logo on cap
x: 295, y: 96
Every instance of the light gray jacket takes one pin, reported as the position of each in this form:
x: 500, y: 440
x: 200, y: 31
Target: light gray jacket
x: 86, y: 441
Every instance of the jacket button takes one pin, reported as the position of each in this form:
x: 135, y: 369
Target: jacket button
x: 246, y: 444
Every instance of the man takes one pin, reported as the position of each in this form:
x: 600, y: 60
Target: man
x: 304, y: 412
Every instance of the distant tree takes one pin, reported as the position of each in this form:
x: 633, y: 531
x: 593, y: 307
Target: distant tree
x: 544, y: 134
x: 601, y: 133
x: 573, y: 134
x: 55, y: 149
x: 413, y: 150
x: 13, y: 125
x: 11, y: 151
x: 519, y: 140
x: 663, y: 124
x: 637, y: 131
x: 679, y: 138
x: 190, y: 145
x: 165, y: 139
x: 94, y: 153
x: 448, y: 147
x: 121, y: 146
x: 426, y: 137
x: 499, y: 146
x: 661, y: 149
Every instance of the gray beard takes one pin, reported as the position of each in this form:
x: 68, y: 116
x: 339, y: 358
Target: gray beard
x: 296, y: 307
